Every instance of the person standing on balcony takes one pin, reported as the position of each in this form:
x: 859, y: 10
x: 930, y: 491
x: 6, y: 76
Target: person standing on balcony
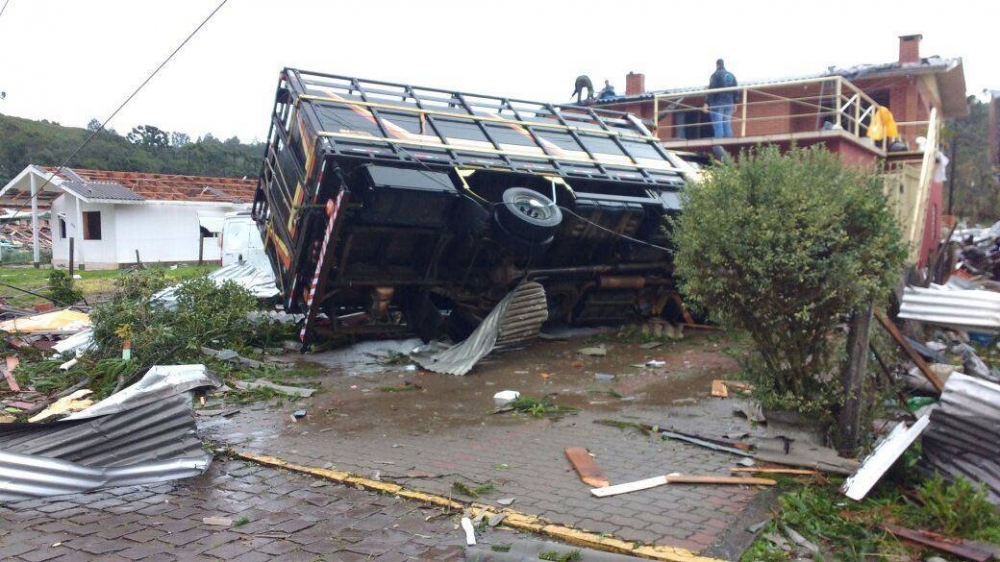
x: 720, y: 104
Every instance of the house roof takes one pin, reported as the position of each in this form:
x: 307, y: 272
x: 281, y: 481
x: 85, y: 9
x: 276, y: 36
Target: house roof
x: 107, y: 185
x: 950, y: 74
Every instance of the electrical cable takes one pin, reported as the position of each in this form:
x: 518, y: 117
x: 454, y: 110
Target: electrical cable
x: 4, y: 8
x: 123, y: 104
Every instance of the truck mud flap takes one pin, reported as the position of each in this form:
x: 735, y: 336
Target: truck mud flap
x: 515, y: 319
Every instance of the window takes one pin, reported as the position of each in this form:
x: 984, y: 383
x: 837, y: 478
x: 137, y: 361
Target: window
x: 91, y: 225
x: 62, y: 228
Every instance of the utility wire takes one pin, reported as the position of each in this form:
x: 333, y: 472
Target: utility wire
x: 124, y: 103
x: 4, y: 9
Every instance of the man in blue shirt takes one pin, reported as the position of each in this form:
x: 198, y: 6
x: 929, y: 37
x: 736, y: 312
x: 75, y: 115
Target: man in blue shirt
x: 720, y: 104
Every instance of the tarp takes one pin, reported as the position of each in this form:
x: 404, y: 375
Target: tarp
x: 144, y: 434
x: 66, y: 320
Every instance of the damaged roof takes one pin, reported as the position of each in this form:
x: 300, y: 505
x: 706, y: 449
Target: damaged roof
x: 108, y: 185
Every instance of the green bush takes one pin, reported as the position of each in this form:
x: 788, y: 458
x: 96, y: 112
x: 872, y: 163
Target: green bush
x: 782, y: 247
x: 61, y: 289
x: 958, y: 509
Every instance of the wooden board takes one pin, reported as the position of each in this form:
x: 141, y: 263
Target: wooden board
x: 882, y: 458
x: 584, y: 464
x: 940, y: 542
x: 728, y: 480
x: 913, y: 355
x: 798, y: 471
x: 8, y: 372
x: 678, y: 479
x: 719, y: 389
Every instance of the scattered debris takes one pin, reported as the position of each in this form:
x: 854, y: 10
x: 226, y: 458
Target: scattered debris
x: 495, y: 520
x: 913, y: 355
x: 59, y: 322
x: 217, y: 521
x: 962, y: 439
x: 800, y: 540
x: 598, y: 351
x: 505, y: 501
x: 651, y: 345
x: 298, y: 415
x: 603, y: 377
x: 676, y: 478
x: 280, y: 388
x: 232, y: 357
x: 144, y: 434
x: 73, y: 403
x: 795, y: 471
x: 586, y: 468
x: 882, y: 458
x: 470, y: 534
x: 655, y: 363
x: 505, y: 397
x: 8, y: 373
x: 719, y: 389
x: 950, y: 545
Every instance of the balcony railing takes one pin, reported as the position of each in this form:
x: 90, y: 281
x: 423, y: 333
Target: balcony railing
x: 779, y: 108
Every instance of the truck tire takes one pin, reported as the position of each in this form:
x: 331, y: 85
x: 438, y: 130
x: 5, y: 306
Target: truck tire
x: 528, y: 214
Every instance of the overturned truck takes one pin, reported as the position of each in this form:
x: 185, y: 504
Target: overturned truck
x: 389, y: 209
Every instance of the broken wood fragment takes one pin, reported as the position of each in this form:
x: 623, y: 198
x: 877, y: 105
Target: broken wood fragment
x: 8, y: 372
x: 719, y: 389
x: 913, y: 355
x: 678, y: 479
x: 797, y: 471
x: 950, y: 545
x: 589, y: 472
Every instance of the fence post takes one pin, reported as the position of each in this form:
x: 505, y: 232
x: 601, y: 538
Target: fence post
x: 71, y: 240
x: 201, y: 248
x: 853, y: 381
x: 743, y: 124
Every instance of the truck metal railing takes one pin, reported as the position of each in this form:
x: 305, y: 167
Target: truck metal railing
x: 785, y: 107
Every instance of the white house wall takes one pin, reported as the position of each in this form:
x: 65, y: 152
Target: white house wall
x: 62, y: 205
x: 163, y: 233
x: 93, y: 254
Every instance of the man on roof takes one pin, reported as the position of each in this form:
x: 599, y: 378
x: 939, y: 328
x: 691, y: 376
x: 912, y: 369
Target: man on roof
x: 720, y: 104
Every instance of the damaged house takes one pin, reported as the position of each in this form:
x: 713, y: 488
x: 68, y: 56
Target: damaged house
x: 113, y: 219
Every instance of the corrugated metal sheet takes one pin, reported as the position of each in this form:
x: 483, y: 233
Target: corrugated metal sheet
x: 963, y: 439
x: 144, y: 434
x: 977, y: 310
x: 259, y: 282
x: 516, y: 318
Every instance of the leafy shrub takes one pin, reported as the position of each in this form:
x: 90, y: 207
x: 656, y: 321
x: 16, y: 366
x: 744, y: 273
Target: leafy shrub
x: 61, y: 290
x: 782, y: 247
x: 957, y: 509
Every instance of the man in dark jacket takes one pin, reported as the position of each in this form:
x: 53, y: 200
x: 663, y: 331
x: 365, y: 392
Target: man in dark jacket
x: 720, y: 104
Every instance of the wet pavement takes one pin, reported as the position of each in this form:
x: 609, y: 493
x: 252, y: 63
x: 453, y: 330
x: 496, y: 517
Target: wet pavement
x: 276, y: 515
x: 427, y: 431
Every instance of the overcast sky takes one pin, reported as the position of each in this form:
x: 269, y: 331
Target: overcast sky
x: 70, y: 61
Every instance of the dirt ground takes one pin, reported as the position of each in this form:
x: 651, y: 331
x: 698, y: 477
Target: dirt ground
x: 440, y: 429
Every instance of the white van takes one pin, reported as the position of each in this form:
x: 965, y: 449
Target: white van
x: 241, y: 241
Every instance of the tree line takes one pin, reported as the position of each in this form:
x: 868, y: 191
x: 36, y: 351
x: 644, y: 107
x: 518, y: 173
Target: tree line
x: 145, y: 148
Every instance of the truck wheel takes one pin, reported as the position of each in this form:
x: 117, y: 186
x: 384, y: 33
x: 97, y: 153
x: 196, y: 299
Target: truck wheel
x: 528, y: 214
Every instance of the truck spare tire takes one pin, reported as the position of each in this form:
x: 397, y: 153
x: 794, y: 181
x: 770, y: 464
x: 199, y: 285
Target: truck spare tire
x: 528, y: 214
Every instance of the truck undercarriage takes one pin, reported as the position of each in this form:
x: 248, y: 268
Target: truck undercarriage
x: 390, y: 209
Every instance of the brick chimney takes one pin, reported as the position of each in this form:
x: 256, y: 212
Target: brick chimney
x: 909, y: 48
x: 635, y: 83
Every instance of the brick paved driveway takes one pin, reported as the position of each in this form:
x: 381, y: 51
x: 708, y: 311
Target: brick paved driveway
x: 281, y: 516
x: 428, y: 440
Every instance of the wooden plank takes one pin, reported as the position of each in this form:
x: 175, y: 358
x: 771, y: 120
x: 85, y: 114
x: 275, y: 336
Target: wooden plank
x: 678, y: 479
x: 726, y: 480
x: 882, y: 458
x: 8, y: 372
x: 589, y: 472
x: 719, y: 389
x: 913, y: 355
x: 940, y: 542
x: 629, y: 487
x: 798, y: 471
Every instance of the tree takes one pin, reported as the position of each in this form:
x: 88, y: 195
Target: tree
x: 148, y: 136
x: 179, y: 139
x: 782, y: 247
x: 94, y: 125
x: 977, y: 193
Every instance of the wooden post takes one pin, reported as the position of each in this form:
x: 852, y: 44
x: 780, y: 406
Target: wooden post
x: 743, y: 121
x: 201, y: 248
x: 836, y: 101
x: 853, y: 381
x: 71, y: 240
x: 34, y: 220
x: 910, y: 352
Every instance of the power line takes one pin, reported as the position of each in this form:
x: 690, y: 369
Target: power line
x: 124, y: 103
x: 4, y: 9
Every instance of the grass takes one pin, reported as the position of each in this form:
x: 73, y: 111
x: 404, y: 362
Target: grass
x: 466, y: 490
x: 500, y: 547
x: 571, y: 556
x: 241, y: 521
x: 539, y: 408
x: 850, y: 531
x: 93, y: 283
